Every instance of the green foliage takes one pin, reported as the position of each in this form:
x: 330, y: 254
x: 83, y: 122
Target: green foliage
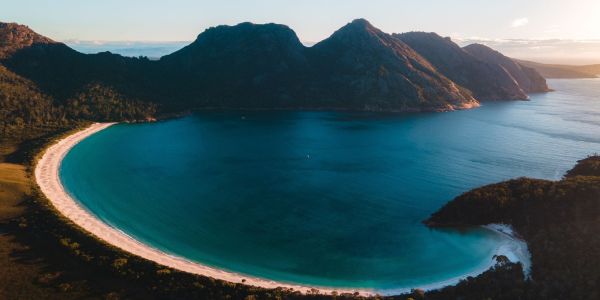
x: 101, y: 103
x: 559, y: 220
x: 119, y: 263
x: 24, y: 108
x: 586, y: 167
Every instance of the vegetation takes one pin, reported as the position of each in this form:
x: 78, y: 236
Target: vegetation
x: 22, y: 105
x: 44, y: 256
x: 25, y: 110
x: 101, y: 103
x: 559, y: 220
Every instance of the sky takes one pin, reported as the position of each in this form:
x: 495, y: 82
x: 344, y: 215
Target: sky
x: 527, y: 24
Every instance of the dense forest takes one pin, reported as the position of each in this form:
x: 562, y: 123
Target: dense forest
x: 26, y: 111
x: 24, y: 108
x: 560, y: 221
x: 22, y: 105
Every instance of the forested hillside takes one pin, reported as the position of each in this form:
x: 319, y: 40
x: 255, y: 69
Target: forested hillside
x: 558, y: 219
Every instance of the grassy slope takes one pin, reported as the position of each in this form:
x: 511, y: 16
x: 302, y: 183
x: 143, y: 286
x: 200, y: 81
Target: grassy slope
x: 21, y: 276
x: 14, y: 186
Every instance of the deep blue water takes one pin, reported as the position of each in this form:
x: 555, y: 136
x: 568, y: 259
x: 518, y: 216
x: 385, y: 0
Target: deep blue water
x: 326, y: 198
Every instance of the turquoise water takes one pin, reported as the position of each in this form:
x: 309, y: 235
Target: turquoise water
x: 326, y: 198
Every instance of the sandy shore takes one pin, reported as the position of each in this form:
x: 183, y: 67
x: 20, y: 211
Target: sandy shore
x: 47, y: 177
x: 515, y: 249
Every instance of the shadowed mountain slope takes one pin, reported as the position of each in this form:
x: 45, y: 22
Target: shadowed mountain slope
x: 527, y: 78
x: 264, y: 66
x: 245, y: 65
x: 487, y: 80
x: 372, y: 70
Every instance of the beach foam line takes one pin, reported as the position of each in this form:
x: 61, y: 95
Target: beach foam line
x: 47, y: 178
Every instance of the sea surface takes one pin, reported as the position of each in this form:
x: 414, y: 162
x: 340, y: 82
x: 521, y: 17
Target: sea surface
x: 327, y: 198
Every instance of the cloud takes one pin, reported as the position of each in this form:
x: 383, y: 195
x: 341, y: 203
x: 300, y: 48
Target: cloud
x: 519, y: 22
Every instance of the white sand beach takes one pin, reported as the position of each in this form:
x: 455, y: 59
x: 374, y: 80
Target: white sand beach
x: 47, y: 177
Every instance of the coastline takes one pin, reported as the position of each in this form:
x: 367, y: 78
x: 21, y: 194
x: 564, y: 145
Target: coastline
x: 516, y: 250
x: 47, y: 177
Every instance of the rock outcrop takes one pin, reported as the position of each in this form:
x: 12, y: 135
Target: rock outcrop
x: 14, y: 37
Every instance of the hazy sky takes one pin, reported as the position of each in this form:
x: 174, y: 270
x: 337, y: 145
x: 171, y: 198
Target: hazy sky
x: 313, y: 20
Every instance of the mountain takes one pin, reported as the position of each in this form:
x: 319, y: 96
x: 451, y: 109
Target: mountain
x: 371, y: 70
x: 563, y: 71
x: 264, y: 66
x: 63, y: 73
x: 527, y: 78
x: 45, y: 84
x: 241, y: 66
x: 358, y: 67
x: 487, y: 80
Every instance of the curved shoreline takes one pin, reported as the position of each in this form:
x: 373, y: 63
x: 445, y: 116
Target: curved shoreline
x: 47, y: 178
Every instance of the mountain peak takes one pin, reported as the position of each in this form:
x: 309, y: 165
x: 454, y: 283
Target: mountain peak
x: 359, y: 31
x: 359, y: 25
x: 425, y: 36
x: 361, y: 22
x: 480, y: 47
x: 14, y: 36
x: 244, y: 39
x: 250, y: 28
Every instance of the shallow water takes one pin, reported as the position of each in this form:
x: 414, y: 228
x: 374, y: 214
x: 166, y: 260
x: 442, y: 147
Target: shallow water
x: 326, y: 198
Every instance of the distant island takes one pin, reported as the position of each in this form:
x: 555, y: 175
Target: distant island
x: 251, y: 66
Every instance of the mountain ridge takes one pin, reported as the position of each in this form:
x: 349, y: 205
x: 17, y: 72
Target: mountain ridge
x: 527, y: 78
x: 366, y: 62
x: 487, y: 81
x: 255, y: 66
